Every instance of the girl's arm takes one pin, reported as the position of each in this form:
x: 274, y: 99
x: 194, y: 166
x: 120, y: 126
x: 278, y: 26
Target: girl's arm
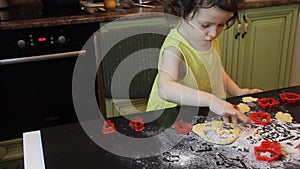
x: 171, y: 90
x: 233, y: 89
x: 169, y: 87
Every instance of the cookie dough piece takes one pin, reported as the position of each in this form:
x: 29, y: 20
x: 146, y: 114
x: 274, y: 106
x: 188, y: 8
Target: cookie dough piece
x: 249, y: 99
x: 217, y: 132
x: 285, y: 117
x: 243, y: 108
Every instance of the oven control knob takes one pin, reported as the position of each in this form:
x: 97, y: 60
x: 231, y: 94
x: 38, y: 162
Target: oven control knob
x: 61, y: 39
x: 21, y: 43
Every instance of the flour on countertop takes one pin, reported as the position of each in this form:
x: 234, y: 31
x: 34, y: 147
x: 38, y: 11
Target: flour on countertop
x: 194, y: 152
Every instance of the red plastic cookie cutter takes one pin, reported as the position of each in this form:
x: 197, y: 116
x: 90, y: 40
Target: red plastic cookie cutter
x: 274, y: 148
x: 108, y: 127
x: 289, y: 97
x: 182, y: 128
x: 137, y: 123
x: 260, y: 118
x: 267, y: 102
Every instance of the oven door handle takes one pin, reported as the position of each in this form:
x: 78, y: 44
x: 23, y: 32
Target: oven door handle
x: 42, y: 57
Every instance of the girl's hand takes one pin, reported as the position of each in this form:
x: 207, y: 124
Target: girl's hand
x: 234, y: 118
x: 248, y: 91
x: 227, y: 111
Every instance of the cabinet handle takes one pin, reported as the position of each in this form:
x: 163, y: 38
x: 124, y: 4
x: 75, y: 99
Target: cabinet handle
x: 239, y: 28
x: 246, y: 26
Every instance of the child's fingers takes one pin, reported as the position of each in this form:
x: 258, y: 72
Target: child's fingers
x: 234, y: 121
x: 225, y: 118
x: 242, y: 117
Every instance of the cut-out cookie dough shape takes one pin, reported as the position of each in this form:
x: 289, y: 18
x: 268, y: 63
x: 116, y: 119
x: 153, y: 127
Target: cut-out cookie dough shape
x: 249, y: 99
x: 217, y: 132
x: 243, y: 108
x: 285, y: 117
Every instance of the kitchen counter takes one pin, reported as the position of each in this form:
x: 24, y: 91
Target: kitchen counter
x: 113, y: 14
x: 69, y: 146
x: 84, y: 17
x: 267, y: 3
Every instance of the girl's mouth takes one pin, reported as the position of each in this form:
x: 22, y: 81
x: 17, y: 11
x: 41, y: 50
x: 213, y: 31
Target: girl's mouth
x: 209, y: 38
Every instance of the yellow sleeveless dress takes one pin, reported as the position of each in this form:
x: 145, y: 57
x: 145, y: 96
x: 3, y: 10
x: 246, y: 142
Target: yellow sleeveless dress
x: 204, y: 71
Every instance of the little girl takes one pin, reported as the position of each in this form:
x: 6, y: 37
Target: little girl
x: 190, y: 71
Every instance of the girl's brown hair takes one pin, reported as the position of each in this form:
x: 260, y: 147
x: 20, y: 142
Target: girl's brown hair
x: 188, y: 8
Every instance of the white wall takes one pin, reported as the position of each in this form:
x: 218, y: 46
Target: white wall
x: 295, y: 74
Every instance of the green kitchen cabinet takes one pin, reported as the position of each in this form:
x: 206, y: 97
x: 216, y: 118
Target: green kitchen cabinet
x: 261, y: 56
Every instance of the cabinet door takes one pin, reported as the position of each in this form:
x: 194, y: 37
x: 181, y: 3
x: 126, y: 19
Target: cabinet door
x: 266, y: 49
x: 229, y: 44
x: 262, y: 57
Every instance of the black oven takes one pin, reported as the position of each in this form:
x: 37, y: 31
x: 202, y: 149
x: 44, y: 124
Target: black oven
x: 36, y: 68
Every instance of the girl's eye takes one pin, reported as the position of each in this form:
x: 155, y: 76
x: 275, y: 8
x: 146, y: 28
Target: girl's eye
x: 205, y: 26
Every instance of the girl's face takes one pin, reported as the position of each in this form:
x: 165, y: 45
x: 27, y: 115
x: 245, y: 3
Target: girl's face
x: 208, y: 23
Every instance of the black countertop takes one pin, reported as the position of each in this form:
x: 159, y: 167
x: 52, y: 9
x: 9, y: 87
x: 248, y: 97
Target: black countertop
x: 69, y: 146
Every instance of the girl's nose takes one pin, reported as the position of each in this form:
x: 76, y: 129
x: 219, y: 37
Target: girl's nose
x: 212, y: 32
